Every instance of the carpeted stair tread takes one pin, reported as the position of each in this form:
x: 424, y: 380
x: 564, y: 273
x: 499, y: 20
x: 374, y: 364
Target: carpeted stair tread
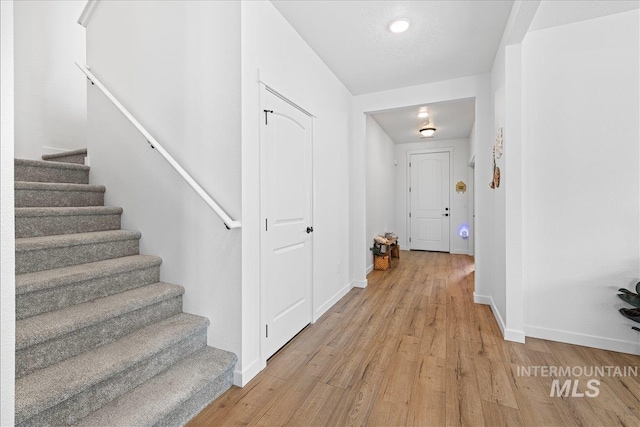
x: 47, y: 279
x: 50, y: 165
x: 48, y: 221
x: 44, y: 327
x: 45, y: 242
x: 72, y: 156
x: 49, y: 252
x: 41, y: 171
x: 58, y: 186
x: 36, y: 194
x: 67, y: 211
x: 50, y: 386
x: 185, y: 379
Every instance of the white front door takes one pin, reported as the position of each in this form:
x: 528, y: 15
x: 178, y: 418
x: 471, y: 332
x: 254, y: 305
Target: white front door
x: 287, y: 223
x: 429, y: 207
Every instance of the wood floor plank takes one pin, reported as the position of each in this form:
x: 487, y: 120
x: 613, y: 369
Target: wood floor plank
x: 413, y: 349
x: 463, y: 403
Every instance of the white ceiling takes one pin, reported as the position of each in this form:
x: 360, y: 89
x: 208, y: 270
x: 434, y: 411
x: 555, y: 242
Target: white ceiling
x: 452, y: 120
x: 447, y: 39
x: 562, y: 12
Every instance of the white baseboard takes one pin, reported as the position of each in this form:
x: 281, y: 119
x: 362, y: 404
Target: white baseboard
x: 242, y: 378
x: 508, y: 334
x: 582, y: 339
x: 457, y: 252
x: 359, y: 283
x: 369, y: 269
x: 334, y: 299
x: 54, y: 150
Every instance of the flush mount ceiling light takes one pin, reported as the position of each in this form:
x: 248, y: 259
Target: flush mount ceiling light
x: 399, y: 25
x: 428, y: 131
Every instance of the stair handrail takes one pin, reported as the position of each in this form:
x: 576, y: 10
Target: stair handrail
x: 226, y: 219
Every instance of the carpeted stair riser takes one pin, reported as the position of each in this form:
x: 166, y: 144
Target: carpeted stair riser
x: 32, y: 222
x: 64, y: 393
x: 39, y: 171
x: 74, y: 253
x: 33, y: 194
x: 48, y: 292
x: 197, y: 380
x: 196, y: 403
x: 52, y: 351
x: 74, y: 156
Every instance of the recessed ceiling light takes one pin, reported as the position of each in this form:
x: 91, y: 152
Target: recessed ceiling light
x: 423, y: 114
x: 399, y: 25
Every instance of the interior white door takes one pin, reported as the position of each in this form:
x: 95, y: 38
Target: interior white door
x: 287, y: 229
x: 429, y: 193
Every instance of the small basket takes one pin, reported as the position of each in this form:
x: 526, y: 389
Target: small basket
x: 381, y: 262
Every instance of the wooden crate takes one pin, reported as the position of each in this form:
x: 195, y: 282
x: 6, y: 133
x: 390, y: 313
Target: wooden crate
x: 381, y: 262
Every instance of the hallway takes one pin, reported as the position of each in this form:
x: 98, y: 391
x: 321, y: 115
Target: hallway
x: 413, y: 349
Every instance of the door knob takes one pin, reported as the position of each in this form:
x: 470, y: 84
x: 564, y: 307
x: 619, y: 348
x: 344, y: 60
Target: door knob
x: 445, y: 214
x: 309, y: 230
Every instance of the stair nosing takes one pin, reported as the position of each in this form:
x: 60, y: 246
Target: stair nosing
x: 50, y: 325
x: 65, y: 276
x: 58, y: 186
x: 34, y: 395
x: 27, y: 244
x: 50, y: 164
x: 55, y: 211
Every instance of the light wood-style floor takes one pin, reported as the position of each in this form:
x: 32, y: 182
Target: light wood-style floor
x: 413, y: 349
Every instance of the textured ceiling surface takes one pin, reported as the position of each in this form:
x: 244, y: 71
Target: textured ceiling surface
x: 446, y: 39
x: 452, y: 120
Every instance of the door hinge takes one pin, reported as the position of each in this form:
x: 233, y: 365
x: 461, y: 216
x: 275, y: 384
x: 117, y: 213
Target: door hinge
x: 266, y: 224
x: 409, y: 239
x: 266, y: 120
x: 409, y: 214
x: 409, y: 189
x: 267, y: 331
x: 409, y: 164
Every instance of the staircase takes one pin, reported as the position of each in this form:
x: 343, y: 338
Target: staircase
x: 100, y: 340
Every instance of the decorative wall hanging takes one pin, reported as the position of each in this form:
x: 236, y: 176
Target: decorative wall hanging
x: 461, y: 187
x: 495, y: 183
x: 499, y: 146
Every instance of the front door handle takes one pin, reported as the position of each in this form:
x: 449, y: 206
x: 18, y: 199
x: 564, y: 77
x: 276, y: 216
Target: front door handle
x: 445, y: 214
x: 309, y: 230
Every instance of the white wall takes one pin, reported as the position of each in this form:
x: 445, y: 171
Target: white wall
x: 288, y: 65
x: 459, y: 206
x: 478, y: 87
x: 176, y: 67
x: 7, y: 243
x: 51, y: 96
x: 381, y: 184
x: 581, y: 180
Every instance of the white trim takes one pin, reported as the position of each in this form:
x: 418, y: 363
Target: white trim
x: 369, y: 269
x: 508, y: 334
x: 7, y: 217
x: 359, y: 283
x: 55, y: 150
x: 458, y: 252
x: 242, y: 378
x: 409, y: 153
x: 334, y: 299
x: 582, y: 339
x: 87, y: 12
x: 226, y: 219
